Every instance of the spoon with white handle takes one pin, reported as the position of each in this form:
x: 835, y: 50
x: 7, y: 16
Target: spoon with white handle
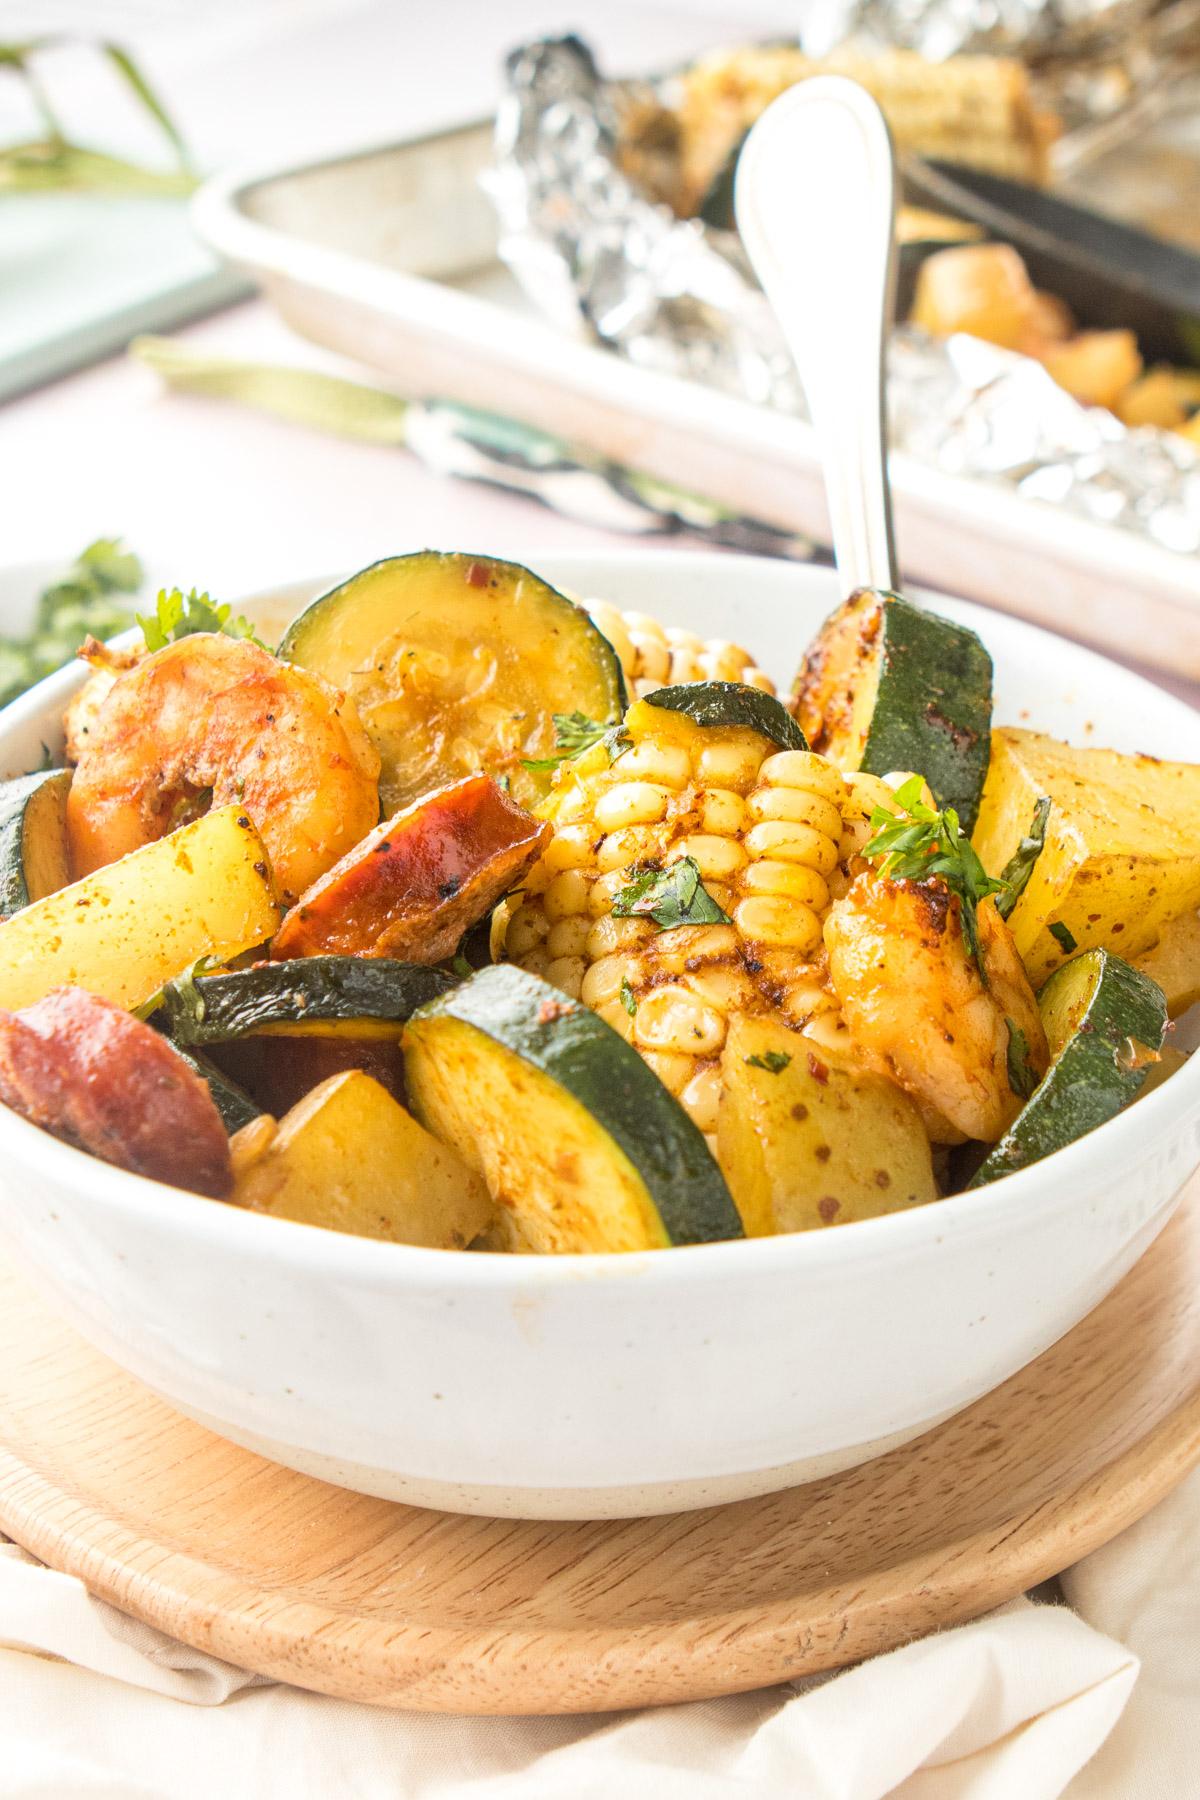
x: 815, y: 200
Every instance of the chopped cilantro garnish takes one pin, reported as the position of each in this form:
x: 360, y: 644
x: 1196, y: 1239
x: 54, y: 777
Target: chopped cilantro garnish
x: 1022, y: 1078
x: 1061, y: 933
x: 628, y: 998
x: 90, y: 598
x: 573, y: 734
x: 773, y: 1061
x: 673, y: 896
x: 461, y: 966
x: 178, y: 615
x: 916, y: 843
x: 1019, y: 867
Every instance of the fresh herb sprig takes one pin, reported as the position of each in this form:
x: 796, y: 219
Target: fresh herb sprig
x: 915, y: 843
x: 1019, y: 867
x: 1022, y: 1077
x: 773, y: 1061
x: 178, y: 615
x: 574, y: 733
x: 671, y: 896
x: 89, y: 598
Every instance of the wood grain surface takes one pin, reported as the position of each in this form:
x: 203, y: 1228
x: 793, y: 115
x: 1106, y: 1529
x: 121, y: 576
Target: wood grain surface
x: 390, y: 1604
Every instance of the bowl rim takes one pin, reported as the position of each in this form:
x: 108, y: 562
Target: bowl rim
x: 1157, y: 1117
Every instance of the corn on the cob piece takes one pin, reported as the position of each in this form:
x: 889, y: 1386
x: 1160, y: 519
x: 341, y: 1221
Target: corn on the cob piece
x: 970, y: 109
x: 765, y: 828
x: 654, y: 655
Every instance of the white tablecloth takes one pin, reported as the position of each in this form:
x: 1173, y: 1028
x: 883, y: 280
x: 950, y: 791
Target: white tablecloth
x: 1098, y: 1700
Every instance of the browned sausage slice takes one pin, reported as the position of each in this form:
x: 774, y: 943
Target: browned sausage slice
x: 81, y: 1068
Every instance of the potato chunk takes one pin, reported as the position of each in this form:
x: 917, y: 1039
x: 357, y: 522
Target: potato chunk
x: 1174, y: 963
x: 350, y: 1158
x: 121, y: 932
x: 804, y: 1140
x: 1122, y: 851
x: 982, y: 289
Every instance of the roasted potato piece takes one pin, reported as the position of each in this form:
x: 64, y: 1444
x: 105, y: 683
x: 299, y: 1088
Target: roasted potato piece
x: 1096, y: 367
x: 1174, y: 963
x: 121, y: 932
x: 982, y: 289
x: 806, y: 1140
x: 92, y: 1074
x: 350, y: 1158
x: 411, y: 888
x: 1155, y: 399
x: 1122, y: 851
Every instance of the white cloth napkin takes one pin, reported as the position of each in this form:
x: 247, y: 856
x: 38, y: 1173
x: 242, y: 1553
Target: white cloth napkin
x: 1099, y: 1701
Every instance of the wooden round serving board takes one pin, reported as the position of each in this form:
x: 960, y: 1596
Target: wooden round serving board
x: 373, y: 1601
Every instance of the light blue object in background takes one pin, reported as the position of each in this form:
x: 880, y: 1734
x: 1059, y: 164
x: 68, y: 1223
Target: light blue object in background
x: 82, y: 274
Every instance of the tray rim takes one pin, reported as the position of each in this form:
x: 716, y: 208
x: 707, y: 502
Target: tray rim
x: 1114, y: 563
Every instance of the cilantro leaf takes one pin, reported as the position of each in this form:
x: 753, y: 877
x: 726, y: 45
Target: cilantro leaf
x: 574, y: 733
x: 672, y: 896
x: 1062, y: 934
x: 628, y: 998
x: 178, y: 615
x: 773, y: 1061
x: 1019, y: 867
x: 918, y: 843
x: 1022, y: 1077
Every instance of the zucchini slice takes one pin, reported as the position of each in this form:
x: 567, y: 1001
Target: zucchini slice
x: 1102, y: 1018
x: 321, y: 996
x: 732, y: 703
x: 232, y: 1101
x: 34, y: 860
x: 457, y: 664
x: 581, y: 1145
x: 886, y: 686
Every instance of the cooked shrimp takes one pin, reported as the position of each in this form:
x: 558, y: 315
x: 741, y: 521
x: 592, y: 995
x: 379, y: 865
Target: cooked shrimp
x: 217, y: 718
x: 915, y: 1001
x: 83, y: 708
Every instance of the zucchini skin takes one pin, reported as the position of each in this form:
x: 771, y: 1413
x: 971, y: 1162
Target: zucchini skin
x: 932, y: 711
x: 732, y: 703
x: 218, y: 1008
x: 569, y: 1043
x: 1089, y: 1081
x: 15, y: 798
x: 232, y: 1102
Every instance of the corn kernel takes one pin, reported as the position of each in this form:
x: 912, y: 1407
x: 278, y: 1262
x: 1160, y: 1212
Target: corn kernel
x: 636, y: 843
x: 602, y: 983
x: 783, y: 924
x: 717, y: 858
x: 725, y: 986
x: 526, y: 929
x: 608, y: 935
x: 673, y: 1071
x: 566, y: 895
x: 569, y: 936
x: 732, y: 762
x: 569, y: 848
x: 631, y: 803
x: 798, y: 807
x: 613, y: 1013
x: 604, y: 891
x: 785, y: 842
x: 676, y: 1021
x: 667, y: 764
x: 567, y: 973
x: 803, y: 769
x: 654, y: 659
x: 722, y: 812
x: 673, y: 950
x: 701, y: 1098
x: 789, y: 880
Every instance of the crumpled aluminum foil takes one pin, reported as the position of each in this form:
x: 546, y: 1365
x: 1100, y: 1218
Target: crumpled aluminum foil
x: 677, y: 296
x: 941, y: 28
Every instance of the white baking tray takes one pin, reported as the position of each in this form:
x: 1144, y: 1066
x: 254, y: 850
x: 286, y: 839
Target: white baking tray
x: 388, y: 254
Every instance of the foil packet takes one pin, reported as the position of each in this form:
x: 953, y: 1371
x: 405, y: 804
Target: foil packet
x: 604, y: 261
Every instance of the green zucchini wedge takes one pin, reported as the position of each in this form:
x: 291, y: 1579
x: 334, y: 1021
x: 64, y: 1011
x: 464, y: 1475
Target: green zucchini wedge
x: 232, y: 1101
x: 1104, y: 1023
x: 581, y: 1145
x: 457, y: 665
x: 885, y: 685
x: 34, y: 860
x: 732, y: 703
x: 322, y: 996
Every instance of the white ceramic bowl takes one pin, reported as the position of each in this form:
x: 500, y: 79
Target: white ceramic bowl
x: 595, y: 1386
